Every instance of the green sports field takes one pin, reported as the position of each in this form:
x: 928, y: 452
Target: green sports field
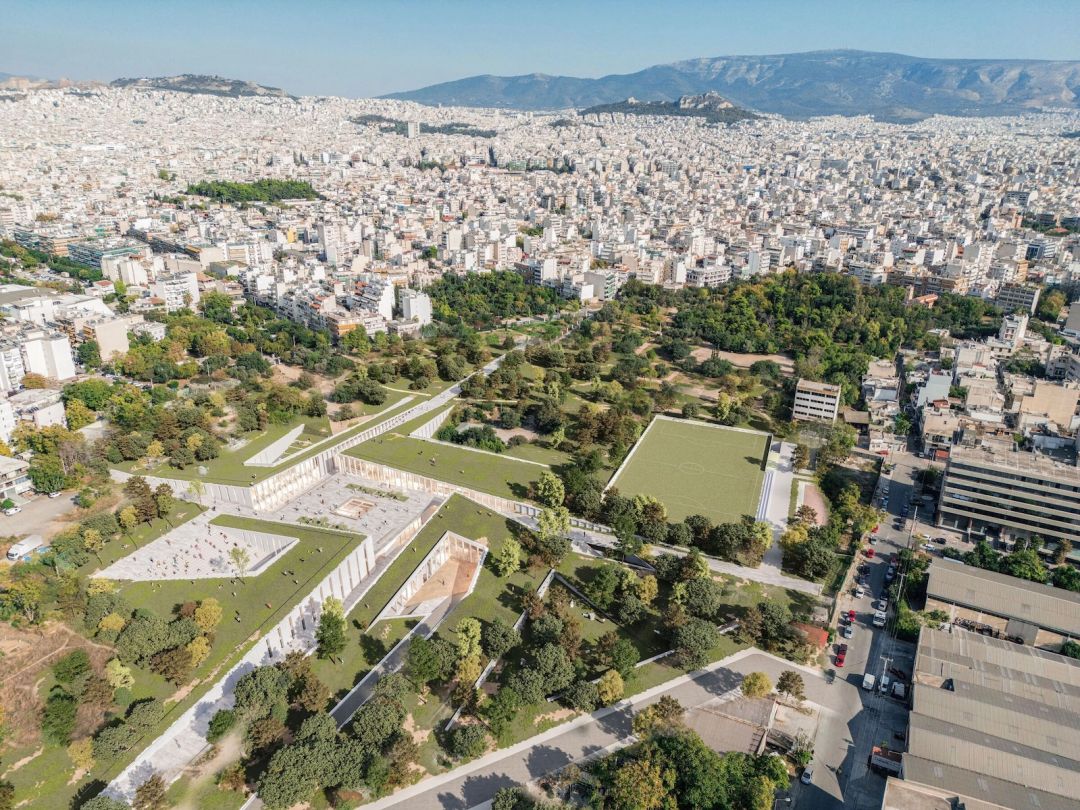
x: 697, y: 469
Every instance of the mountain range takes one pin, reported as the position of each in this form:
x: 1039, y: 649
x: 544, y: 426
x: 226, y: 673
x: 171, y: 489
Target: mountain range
x: 890, y: 86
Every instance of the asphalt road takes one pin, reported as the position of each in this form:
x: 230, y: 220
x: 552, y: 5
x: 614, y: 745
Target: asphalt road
x: 843, y: 721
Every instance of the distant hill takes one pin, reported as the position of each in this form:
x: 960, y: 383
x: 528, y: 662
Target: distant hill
x: 711, y: 106
x: 890, y: 86
x: 202, y: 85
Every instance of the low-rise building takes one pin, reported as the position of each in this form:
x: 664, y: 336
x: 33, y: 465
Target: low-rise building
x: 14, y: 480
x: 993, y: 724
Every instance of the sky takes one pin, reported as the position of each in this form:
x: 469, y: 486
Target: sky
x: 364, y: 48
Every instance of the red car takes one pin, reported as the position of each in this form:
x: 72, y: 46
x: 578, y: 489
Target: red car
x: 851, y: 616
x: 870, y: 552
x: 841, y: 654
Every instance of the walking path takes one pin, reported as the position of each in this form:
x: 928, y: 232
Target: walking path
x: 475, y: 783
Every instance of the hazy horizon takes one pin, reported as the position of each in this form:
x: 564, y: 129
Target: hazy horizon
x: 368, y: 49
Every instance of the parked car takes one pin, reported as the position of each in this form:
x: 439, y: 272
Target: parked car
x: 870, y: 553
x: 941, y: 540
x: 848, y: 631
x: 807, y: 775
x: 851, y: 615
x: 868, y: 681
x: 929, y: 548
x: 841, y: 654
x: 14, y: 510
x: 880, y: 618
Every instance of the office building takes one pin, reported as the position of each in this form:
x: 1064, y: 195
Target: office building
x: 1009, y: 494
x: 816, y: 401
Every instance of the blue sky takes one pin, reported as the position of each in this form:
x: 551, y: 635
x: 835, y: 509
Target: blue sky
x: 365, y: 47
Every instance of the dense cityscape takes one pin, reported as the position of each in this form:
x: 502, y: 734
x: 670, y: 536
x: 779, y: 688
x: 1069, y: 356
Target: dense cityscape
x: 654, y: 454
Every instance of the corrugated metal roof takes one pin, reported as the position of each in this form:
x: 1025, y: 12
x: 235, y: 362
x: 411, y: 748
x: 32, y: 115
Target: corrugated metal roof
x: 985, y: 788
x: 1012, y: 598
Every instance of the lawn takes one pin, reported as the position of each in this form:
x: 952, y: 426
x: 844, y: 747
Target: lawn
x: 229, y: 467
x: 486, y: 472
x: 694, y: 468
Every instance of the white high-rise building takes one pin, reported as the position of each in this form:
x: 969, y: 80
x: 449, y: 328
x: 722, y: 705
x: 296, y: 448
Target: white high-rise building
x: 416, y: 305
x: 48, y: 353
x: 11, y: 366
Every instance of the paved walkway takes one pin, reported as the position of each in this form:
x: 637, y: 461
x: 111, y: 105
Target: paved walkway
x: 476, y: 782
x: 392, y: 662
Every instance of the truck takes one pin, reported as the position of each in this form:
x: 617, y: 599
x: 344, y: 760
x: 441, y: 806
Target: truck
x: 868, y: 682
x: 884, y: 761
x: 26, y: 548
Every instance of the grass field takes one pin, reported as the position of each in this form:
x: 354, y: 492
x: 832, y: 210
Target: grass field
x: 486, y: 472
x: 696, y: 469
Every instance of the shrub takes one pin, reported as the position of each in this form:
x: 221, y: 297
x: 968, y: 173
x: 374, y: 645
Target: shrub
x: 220, y: 724
x: 468, y: 742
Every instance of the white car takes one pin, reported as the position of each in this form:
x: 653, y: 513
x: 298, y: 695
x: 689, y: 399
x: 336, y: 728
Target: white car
x: 807, y: 775
x: 12, y: 511
x: 929, y: 549
x: 55, y: 494
x: 880, y: 618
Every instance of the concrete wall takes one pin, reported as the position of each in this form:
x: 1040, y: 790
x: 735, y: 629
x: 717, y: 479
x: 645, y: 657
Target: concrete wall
x: 268, y: 456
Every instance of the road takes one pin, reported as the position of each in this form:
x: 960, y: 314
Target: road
x: 874, y: 650
x: 477, y: 782
x: 40, y: 515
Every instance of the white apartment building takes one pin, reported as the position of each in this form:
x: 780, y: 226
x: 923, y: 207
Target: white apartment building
x: 177, y: 290
x: 7, y: 421
x: 816, y: 401
x: 48, y: 353
x: 416, y: 305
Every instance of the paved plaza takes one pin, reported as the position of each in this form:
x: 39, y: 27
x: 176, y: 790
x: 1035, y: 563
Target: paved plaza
x: 199, y: 550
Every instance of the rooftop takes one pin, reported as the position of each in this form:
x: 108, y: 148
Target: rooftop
x: 1042, y: 605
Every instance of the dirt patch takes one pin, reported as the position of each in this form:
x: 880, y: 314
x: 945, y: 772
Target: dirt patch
x: 25, y: 760
x: 811, y: 496
x: 556, y: 716
x: 451, y: 578
x: 287, y: 374
x: 741, y: 360
x: 28, y: 654
x: 419, y: 735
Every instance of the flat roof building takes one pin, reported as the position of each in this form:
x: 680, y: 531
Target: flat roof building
x: 816, y: 401
x: 1011, y: 493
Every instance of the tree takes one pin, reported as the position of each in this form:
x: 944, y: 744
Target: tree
x: 174, y: 664
x: 498, y: 638
x: 601, y: 588
x: 468, y: 633
x: 330, y: 635
x: 262, y: 691
x: 756, y: 685
x: 58, y: 717
x: 622, y: 656
x: 47, y: 473
x: 208, y: 614
x: 150, y: 795
x: 164, y: 501
x: 549, y: 489
x: 801, y: 457
x: 639, y: 785
x: 665, y: 713
x: 1062, y: 551
x: 78, y: 415
x: 313, y: 694
x: 468, y: 742
x: 791, y: 683
x: 81, y: 754
x: 507, y: 559
x: 610, y: 687
x: 582, y: 695
x: 1070, y: 649
x: 127, y: 518
x: 424, y: 663
x: 552, y: 524
x: 241, y: 559
x: 220, y: 724
x: 704, y: 598
x: 71, y: 667
x: 1025, y: 564
x: 34, y: 380
x: 693, y: 641
x: 118, y: 675
x: 199, y: 650
x: 103, y: 802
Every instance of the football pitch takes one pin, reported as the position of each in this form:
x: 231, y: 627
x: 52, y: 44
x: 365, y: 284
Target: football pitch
x: 696, y: 469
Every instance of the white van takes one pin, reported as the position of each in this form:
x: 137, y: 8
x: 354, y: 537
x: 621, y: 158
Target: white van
x: 25, y: 549
x: 868, y: 682
x: 884, y: 685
